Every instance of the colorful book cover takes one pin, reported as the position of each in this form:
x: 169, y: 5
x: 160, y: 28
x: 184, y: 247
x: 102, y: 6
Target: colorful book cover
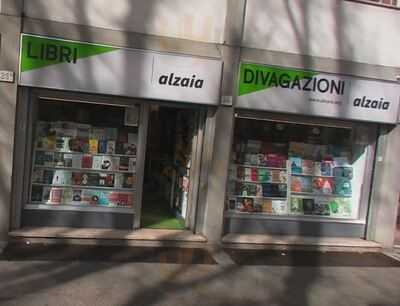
x: 247, y: 205
x: 264, y: 175
x: 77, y: 195
x: 125, y: 199
x: 128, y: 181
x: 129, y: 149
x: 106, y: 179
x: 87, y: 161
x: 102, y: 146
x: 343, y: 186
x: 90, y: 179
x: 257, y: 205
x: 301, y: 184
x: 58, y: 159
x: 307, y: 166
x: 323, y: 185
x: 296, y: 164
x: 254, y: 175
x: 124, y: 163
x: 276, y: 160
x: 326, y: 168
x: 56, y: 195
x: 115, y: 163
x: 345, y: 172
x: 317, y: 169
x: 340, y: 207
x: 93, y: 146
x: 76, y: 178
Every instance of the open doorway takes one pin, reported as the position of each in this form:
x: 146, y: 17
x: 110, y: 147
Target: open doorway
x: 168, y: 167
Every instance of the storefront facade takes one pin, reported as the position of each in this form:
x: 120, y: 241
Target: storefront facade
x: 270, y: 136
x: 84, y: 140
x: 303, y: 151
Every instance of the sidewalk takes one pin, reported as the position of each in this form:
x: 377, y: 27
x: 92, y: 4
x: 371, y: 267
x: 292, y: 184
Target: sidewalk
x: 119, y: 276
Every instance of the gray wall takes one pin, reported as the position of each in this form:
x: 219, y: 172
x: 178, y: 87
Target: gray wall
x: 9, y: 31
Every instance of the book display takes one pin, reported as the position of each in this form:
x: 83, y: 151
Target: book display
x: 83, y: 165
x: 292, y: 176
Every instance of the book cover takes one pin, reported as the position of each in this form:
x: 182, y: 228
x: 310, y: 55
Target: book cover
x: 48, y: 176
x: 62, y: 177
x: 115, y: 163
x: 247, y: 205
x: 106, y: 163
x: 124, y: 163
x: 46, y: 195
x: 343, y: 186
x: 90, y: 179
x: 296, y: 164
x: 132, y: 165
x: 247, y: 174
x: 321, y: 207
x: 37, y: 176
x: 257, y: 205
x: 67, y: 195
x: 106, y: 180
x: 296, y: 206
x: 76, y: 178
x: 98, y: 133
x: 102, y: 146
x: 77, y: 195
x: 308, y: 206
x: 87, y: 161
x: 340, y: 207
x: 97, y: 162
x: 68, y: 160
x: 56, y: 195
x: 128, y: 181
x: 37, y: 193
x: 77, y: 161
x: 323, y: 185
x: 326, y: 168
x: 254, y: 175
x: 110, y: 147
x: 345, y: 172
x: 125, y: 199
x: 44, y: 158
x: 58, y: 159
x: 279, y: 207
x: 266, y: 206
x: 118, y: 180
x: 264, y: 175
x: 93, y: 146
x: 307, y: 166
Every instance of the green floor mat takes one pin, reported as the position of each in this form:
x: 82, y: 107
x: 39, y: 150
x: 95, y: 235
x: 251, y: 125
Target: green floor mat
x: 157, y: 215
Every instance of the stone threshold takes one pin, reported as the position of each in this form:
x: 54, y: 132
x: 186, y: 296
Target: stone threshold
x: 299, y: 242
x: 160, y: 235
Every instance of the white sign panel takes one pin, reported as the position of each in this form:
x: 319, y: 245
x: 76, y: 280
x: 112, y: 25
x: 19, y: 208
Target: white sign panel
x: 78, y: 66
x: 312, y: 93
x: 6, y: 76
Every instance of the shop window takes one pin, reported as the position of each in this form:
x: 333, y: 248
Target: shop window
x: 395, y: 3
x: 296, y: 170
x: 84, y: 157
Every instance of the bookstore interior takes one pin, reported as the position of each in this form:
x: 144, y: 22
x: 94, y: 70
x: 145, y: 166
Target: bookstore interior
x: 290, y: 170
x: 84, y: 166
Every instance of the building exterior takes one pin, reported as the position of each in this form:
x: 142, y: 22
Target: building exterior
x: 248, y: 118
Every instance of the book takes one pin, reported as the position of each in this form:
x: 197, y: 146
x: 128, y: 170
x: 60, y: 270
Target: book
x: 62, y: 177
x: 110, y: 147
x: 55, y: 195
x: 129, y: 181
x: 118, y: 180
x: 301, y: 184
x: 342, y: 186
x: 62, y: 144
x: 77, y: 195
x: 102, y: 146
x: 308, y: 206
x: 87, y: 161
x: 76, y: 178
x: 266, y: 206
x: 67, y: 195
x: 93, y: 146
x: 48, y: 176
x: 77, y: 161
x: 106, y: 180
x: 58, y: 159
x: 340, y: 207
x: 321, y: 207
x: 37, y: 193
x: 44, y: 158
x: 324, y: 185
x: 97, y: 162
x: 123, y: 163
x: 296, y: 206
x: 279, y: 207
x: 106, y: 163
x: 37, y: 176
x: 68, y: 158
x: 98, y: 133
x: 296, y: 164
x: 247, y: 205
x: 307, y: 166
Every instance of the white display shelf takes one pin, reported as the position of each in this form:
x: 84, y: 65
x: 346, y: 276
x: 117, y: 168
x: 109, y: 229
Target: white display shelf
x: 259, y: 182
x: 82, y: 169
x: 311, y: 175
x: 82, y: 153
x: 261, y: 167
x: 86, y: 187
x: 257, y: 197
x: 290, y: 216
x: 80, y: 207
x: 311, y: 194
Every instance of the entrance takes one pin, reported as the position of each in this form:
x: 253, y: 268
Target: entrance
x: 169, y: 159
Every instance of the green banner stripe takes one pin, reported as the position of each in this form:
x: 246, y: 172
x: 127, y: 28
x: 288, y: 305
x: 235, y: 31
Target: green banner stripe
x: 255, y: 77
x: 39, y: 52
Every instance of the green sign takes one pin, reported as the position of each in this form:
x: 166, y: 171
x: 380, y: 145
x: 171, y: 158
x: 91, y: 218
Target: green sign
x: 38, y: 52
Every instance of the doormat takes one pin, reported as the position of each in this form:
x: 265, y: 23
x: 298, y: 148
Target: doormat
x: 59, y: 252
x: 310, y: 258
